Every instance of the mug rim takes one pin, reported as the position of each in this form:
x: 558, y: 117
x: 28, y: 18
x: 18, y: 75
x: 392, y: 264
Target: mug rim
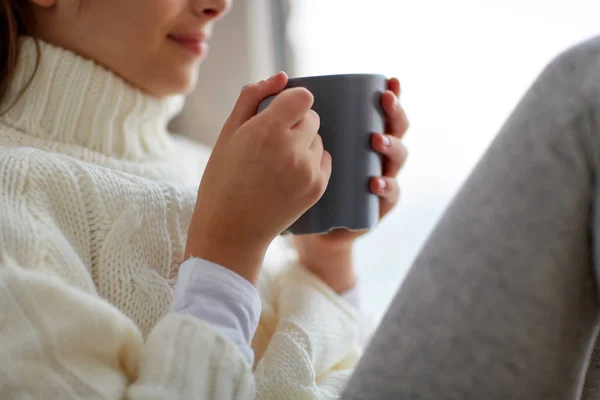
x: 363, y: 75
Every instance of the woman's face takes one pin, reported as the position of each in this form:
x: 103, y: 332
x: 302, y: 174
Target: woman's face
x: 155, y: 45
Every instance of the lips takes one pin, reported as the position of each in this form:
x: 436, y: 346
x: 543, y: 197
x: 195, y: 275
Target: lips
x: 194, y: 43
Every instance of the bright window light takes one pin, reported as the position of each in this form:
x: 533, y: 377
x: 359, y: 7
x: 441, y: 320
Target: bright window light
x: 463, y: 64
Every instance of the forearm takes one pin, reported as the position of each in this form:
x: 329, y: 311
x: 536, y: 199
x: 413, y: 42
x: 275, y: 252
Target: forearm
x: 334, y: 266
x: 243, y: 257
x: 80, y: 347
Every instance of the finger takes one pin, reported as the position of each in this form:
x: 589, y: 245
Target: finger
x: 387, y: 189
x: 290, y: 106
x: 394, y: 151
x: 393, y: 84
x: 306, y: 131
x: 251, y: 97
x: 396, y: 120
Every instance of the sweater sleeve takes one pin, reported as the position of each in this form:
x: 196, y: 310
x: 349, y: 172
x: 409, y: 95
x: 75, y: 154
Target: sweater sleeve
x: 60, y: 340
x: 313, y: 337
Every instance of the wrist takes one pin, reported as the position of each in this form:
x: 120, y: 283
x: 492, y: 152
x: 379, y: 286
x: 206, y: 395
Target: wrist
x: 245, y: 259
x: 334, y: 266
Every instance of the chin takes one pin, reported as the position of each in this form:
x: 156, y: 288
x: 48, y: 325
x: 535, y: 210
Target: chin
x: 178, y: 84
x: 184, y: 81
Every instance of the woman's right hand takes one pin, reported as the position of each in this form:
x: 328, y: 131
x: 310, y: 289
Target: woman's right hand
x: 265, y: 171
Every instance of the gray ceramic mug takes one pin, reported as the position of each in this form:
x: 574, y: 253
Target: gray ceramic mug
x: 350, y: 111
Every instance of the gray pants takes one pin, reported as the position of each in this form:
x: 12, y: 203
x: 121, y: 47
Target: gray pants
x: 503, y: 302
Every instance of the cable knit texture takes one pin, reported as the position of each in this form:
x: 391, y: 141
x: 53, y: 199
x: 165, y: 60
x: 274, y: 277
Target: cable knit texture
x: 95, y: 201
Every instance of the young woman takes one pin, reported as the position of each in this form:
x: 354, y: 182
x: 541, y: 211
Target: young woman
x: 119, y: 278
x: 95, y: 203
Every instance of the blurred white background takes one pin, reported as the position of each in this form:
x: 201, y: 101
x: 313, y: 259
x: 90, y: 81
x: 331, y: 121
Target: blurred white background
x: 463, y: 64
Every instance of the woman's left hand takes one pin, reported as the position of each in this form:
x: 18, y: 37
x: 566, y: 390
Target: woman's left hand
x: 330, y: 255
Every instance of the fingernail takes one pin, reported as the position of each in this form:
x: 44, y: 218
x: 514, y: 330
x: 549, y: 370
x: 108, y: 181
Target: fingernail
x: 385, y: 140
x: 381, y: 184
x: 272, y: 78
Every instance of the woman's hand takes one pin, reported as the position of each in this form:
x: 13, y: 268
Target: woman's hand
x: 330, y: 255
x: 265, y: 171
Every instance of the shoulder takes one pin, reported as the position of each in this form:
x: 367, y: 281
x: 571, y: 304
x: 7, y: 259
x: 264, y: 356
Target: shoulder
x: 30, y: 162
x: 26, y: 172
x: 53, y: 171
x: 44, y: 186
x: 37, y: 178
x: 42, y: 213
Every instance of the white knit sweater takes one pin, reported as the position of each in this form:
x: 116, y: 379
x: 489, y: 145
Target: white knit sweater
x: 95, y: 201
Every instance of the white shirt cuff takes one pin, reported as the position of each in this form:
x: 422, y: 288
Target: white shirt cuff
x: 220, y: 297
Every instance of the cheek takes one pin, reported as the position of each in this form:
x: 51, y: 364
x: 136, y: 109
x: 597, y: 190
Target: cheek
x: 130, y: 38
x: 149, y: 26
x: 139, y: 25
x: 136, y: 46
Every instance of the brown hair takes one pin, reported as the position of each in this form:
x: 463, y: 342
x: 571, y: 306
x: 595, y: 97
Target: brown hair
x: 15, y: 20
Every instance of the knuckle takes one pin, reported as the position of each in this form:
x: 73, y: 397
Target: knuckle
x: 404, y: 119
x: 402, y: 154
x: 249, y: 91
x: 305, y: 171
x: 327, y: 160
x: 305, y: 95
x: 397, y: 112
x: 304, y: 180
x: 316, y: 118
x: 394, y: 191
x: 321, y: 185
x: 317, y: 189
x: 397, y: 150
x: 320, y: 181
x: 318, y: 142
x: 310, y: 176
x: 293, y: 162
x: 327, y: 164
x: 302, y: 96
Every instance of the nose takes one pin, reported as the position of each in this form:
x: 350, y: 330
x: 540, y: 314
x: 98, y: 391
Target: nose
x: 211, y: 9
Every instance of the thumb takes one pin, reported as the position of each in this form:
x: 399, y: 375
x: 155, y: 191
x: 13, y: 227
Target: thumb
x: 252, y: 95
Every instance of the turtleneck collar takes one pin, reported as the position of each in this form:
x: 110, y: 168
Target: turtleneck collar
x: 73, y: 100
